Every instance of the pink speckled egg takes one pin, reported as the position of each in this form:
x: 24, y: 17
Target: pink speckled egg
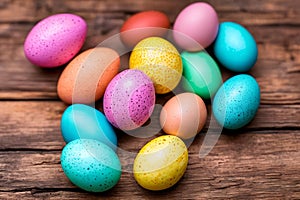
x: 55, y: 40
x: 198, y: 21
x: 129, y: 99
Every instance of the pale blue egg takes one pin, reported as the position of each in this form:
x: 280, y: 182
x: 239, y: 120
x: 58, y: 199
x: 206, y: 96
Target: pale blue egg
x: 237, y: 101
x: 235, y: 47
x: 91, y: 165
x: 80, y: 121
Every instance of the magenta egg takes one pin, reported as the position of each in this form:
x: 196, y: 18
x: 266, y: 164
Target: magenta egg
x: 55, y: 40
x: 197, y: 23
x: 129, y: 99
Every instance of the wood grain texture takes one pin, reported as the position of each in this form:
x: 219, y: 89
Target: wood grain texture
x: 254, y: 12
x: 233, y: 169
x: 259, y: 161
x: 36, y: 125
x: 279, y: 60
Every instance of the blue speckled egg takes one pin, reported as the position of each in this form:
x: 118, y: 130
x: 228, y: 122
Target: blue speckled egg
x: 91, y: 165
x: 80, y: 121
x: 235, y: 47
x: 236, y: 102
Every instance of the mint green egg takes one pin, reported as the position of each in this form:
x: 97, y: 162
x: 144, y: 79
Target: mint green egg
x: 91, y: 165
x: 201, y: 74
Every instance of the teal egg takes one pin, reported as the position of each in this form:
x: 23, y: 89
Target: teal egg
x: 237, y: 101
x: 80, y: 121
x: 91, y: 165
x: 201, y: 74
x: 235, y: 47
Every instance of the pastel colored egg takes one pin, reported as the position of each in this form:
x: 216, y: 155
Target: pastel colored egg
x: 55, y: 40
x: 161, y: 163
x: 142, y: 25
x: 160, y: 60
x: 91, y: 165
x: 235, y: 47
x: 201, y: 74
x: 129, y: 99
x: 84, y: 122
x: 237, y: 101
x: 199, y: 22
x: 184, y: 115
x: 86, y: 77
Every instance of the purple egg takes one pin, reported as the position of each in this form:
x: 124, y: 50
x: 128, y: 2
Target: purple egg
x: 129, y: 99
x: 55, y: 40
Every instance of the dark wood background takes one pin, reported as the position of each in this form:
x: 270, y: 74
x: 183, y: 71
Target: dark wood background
x: 261, y: 160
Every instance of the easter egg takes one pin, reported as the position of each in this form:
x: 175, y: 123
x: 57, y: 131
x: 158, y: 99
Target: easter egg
x: 184, y: 115
x: 235, y: 47
x: 160, y: 60
x: 55, y: 40
x: 201, y: 74
x: 129, y: 99
x: 236, y: 102
x: 142, y: 25
x: 80, y: 121
x: 198, y: 21
x: 161, y: 163
x: 91, y: 165
x: 86, y: 77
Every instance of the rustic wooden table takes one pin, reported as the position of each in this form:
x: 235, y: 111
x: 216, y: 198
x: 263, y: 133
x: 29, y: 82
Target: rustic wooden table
x: 261, y: 160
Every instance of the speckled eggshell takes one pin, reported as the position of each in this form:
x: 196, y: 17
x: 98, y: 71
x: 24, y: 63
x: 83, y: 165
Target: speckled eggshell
x: 235, y: 47
x: 198, y: 21
x: 86, y: 77
x: 129, y: 99
x: 161, y: 163
x: 237, y: 101
x: 160, y: 60
x: 91, y: 165
x: 55, y: 40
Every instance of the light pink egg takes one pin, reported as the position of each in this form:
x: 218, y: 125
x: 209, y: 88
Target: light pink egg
x: 55, y: 40
x: 198, y: 22
x: 129, y: 99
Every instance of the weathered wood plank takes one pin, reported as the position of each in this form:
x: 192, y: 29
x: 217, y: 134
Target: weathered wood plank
x: 258, y: 161
x: 279, y: 47
x: 36, y: 125
x: 240, y: 166
x: 278, y: 78
x: 252, y: 12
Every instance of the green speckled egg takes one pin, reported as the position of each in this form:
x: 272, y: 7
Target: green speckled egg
x: 91, y: 165
x: 161, y: 163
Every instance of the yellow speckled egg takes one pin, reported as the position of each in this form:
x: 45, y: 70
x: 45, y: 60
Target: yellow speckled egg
x: 160, y: 60
x: 161, y: 163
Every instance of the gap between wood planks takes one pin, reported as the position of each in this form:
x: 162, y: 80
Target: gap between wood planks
x: 251, y: 164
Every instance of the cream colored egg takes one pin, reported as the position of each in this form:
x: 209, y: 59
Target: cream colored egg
x: 160, y: 60
x: 161, y: 163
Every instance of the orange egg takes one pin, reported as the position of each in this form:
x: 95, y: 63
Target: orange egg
x: 184, y: 115
x: 142, y: 25
x: 86, y: 77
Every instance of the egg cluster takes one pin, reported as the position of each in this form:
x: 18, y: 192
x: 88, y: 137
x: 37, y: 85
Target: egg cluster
x: 156, y: 66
